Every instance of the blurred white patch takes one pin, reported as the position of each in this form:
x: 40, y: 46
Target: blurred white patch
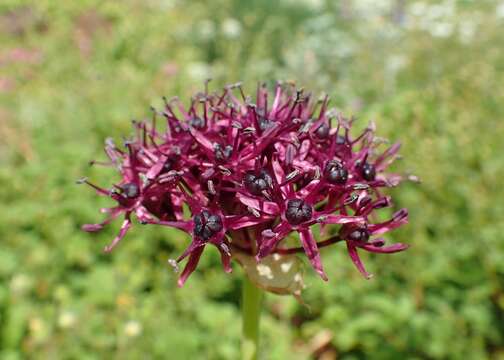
x: 264, y: 270
x: 443, y: 10
x: 310, y: 4
x: 132, y: 328
x: 67, y: 319
x: 396, y: 62
x: 441, y: 29
x: 198, y: 71
x: 231, y: 28
x: 373, y: 8
x: 499, y: 10
x: 20, y: 284
x: 466, y: 31
x: 418, y: 8
x: 285, y: 267
x: 36, y: 326
x: 206, y: 30
x: 161, y: 4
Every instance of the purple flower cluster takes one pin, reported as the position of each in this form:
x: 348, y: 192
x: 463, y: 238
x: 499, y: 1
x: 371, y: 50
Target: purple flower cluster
x: 250, y: 174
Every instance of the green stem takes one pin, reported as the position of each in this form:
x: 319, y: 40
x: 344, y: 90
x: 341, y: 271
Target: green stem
x: 251, y: 312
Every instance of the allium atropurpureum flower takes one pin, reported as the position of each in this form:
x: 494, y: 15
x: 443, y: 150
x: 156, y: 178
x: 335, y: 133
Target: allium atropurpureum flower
x: 251, y: 174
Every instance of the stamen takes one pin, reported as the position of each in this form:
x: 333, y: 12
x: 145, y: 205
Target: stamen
x: 254, y: 212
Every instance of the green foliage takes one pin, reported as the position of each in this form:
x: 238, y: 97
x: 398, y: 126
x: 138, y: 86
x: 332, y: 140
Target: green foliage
x: 73, y: 73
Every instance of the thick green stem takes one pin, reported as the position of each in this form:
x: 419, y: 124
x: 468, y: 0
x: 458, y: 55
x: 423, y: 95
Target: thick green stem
x: 251, y: 312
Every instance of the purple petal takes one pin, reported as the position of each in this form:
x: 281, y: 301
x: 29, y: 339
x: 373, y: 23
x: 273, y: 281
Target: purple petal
x: 202, y: 140
x: 378, y: 242
x: 341, y: 219
x: 225, y: 257
x: 193, y: 246
x: 290, y: 154
x: 190, y: 266
x: 303, y: 151
x: 390, y: 152
x: 99, y: 190
x: 143, y: 214
x: 278, y: 171
x: 276, y: 101
x: 311, y: 190
x: 352, y: 251
x: 156, y: 168
x: 92, y: 227
x: 267, y: 244
x: 312, y: 251
x: 181, y: 225
x: 114, y: 213
x: 122, y: 232
x: 398, y: 219
x: 267, y: 207
x: 236, y: 222
x: 385, y: 249
x: 391, y: 179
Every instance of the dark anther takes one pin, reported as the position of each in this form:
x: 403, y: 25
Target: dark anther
x: 359, y: 234
x: 221, y: 153
x: 206, y: 225
x: 256, y: 184
x: 368, y: 172
x: 130, y: 190
x: 322, y: 131
x: 197, y: 122
x: 335, y: 173
x: 264, y: 123
x: 168, y: 165
x: 340, y: 140
x: 298, y: 211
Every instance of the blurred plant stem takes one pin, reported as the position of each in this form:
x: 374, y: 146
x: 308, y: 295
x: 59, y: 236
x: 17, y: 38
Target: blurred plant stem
x: 251, y: 312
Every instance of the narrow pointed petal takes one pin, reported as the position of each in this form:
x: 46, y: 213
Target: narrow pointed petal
x: 303, y: 151
x: 202, y: 140
x: 225, y: 257
x: 385, y: 249
x: 387, y: 155
x: 195, y: 203
x: 310, y: 190
x: 181, y: 225
x: 267, y: 244
x: 236, y: 222
x: 312, y: 251
x: 266, y: 207
x: 113, y: 214
x: 190, y: 266
x: 157, y: 167
x: 398, y: 219
x: 276, y: 101
x: 122, y: 232
x: 342, y: 219
x: 99, y: 190
x: 92, y: 227
x: 195, y: 244
x: 378, y: 242
x: 278, y: 171
x: 352, y: 251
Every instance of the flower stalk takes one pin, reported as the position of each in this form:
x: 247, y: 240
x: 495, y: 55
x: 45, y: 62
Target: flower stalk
x: 251, y: 313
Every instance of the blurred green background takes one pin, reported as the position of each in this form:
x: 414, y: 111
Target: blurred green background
x: 430, y: 73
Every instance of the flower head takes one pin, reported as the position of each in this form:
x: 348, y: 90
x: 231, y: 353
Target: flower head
x: 251, y: 174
